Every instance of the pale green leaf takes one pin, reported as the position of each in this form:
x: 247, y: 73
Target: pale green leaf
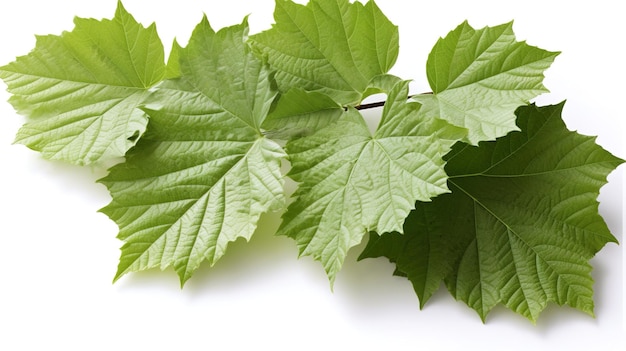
x: 333, y: 47
x: 81, y: 90
x: 352, y: 182
x: 203, y: 173
x: 520, y: 225
x: 479, y: 77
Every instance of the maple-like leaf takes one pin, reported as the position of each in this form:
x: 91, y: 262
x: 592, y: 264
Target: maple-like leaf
x: 519, y: 226
x: 351, y: 182
x: 203, y: 173
x: 330, y: 46
x: 480, y: 77
x: 81, y: 90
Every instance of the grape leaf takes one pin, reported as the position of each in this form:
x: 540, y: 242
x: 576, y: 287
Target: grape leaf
x: 203, y: 173
x: 519, y: 226
x: 333, y: 47
x: 352, y: 182
x: 479, y: 77
x: 81, y: 89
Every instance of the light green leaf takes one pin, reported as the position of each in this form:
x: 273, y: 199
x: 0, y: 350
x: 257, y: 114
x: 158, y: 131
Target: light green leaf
x: 479, y: 77
x: 520, y: 224
x: 204, y: 173
x: 333, y: 47
x: 81, y: 90
x: 352, y: 182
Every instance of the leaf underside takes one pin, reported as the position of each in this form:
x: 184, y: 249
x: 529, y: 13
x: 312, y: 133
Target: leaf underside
x: 480, y: 77
x: 341, y: 196
x: 203, y: 173
x: 519, y: 226
x: 81, y: 90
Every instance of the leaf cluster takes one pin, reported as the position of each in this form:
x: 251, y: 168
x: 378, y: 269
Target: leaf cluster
x: 469, y: 184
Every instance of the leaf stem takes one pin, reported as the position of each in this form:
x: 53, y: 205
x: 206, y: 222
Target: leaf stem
x: 370, y: 105
x: 378, y: 103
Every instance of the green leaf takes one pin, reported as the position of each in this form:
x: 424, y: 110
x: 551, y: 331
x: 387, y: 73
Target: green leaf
x: 203, y: 173
x: 423, y: 253
x: 479, y: 77
x: 330, y: 46
x: 520, y: 224
x: 352, y: 182
x: 299, y: 113
x: 81, y: 90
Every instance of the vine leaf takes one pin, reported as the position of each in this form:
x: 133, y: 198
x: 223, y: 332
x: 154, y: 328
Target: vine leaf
x: 519, y: 226
x: 81, y: 90
x: 333, y: 47
x: 480, y: 77
x: 204, y: 173
x: 351, y: 181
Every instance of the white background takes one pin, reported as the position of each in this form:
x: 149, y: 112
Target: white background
x: 58, y: 255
